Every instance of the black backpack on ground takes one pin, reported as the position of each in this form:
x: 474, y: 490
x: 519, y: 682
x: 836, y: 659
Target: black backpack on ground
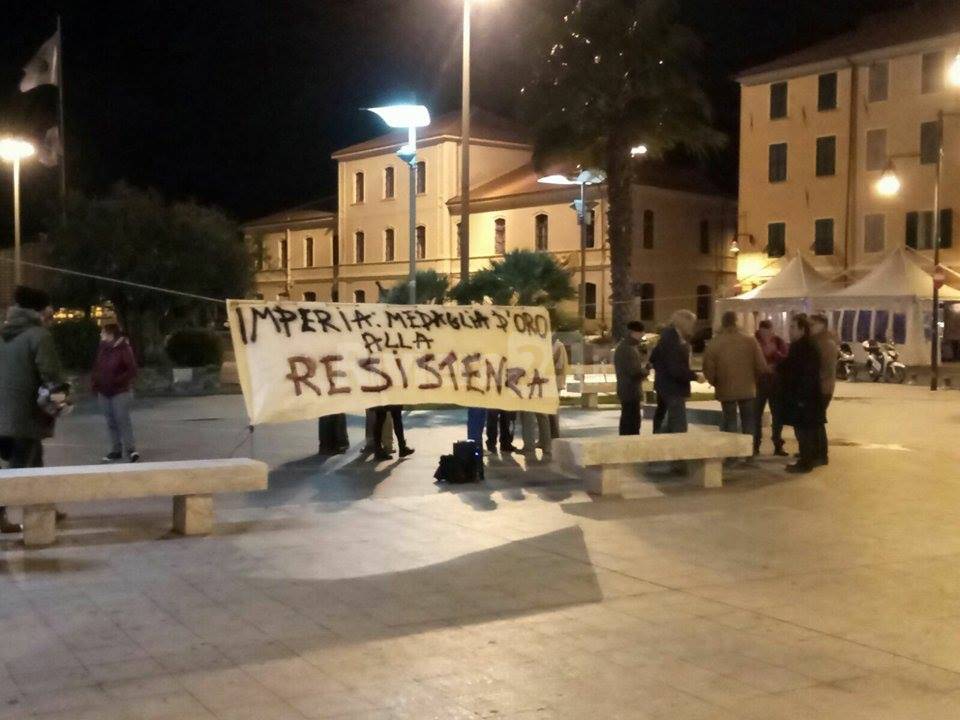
x: 465, y: 465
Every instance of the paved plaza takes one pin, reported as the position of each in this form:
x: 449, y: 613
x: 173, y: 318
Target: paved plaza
x: 364, y: 591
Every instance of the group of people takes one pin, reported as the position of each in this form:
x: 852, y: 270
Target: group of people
x: 796, y: 379
x: 31, y: 374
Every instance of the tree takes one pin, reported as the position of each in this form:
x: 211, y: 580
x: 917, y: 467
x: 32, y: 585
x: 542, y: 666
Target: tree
x: 523, y: 277
x: 615, y: 74
x: 431, y: 289
x: 134, y: 236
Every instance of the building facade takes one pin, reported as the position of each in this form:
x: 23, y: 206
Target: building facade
x: 682, y: 234
x: 819, y: 128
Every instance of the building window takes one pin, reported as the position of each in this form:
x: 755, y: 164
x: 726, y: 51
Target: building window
x: 776, y: 239
x: 827, y: 92
x: 647, y: 301
x: 946, y: 228
x: 389, y: 250
x: 359, y: 249
x: 358, y: 188
x: 778, y: 100
x: 704, y: 302
x: 459, y: 243
x: 309, y: 297
x: 931, y: 72
x: 826, y: 156
x: 499, y: 236
x: 591, y: 228
x: 876, y: 149
x: 258, y: 248
x: 421, y: 178
x: 541, y: 233
x: 823, y: 237
x: 334, y: 295
x: 874, y: 233
x: 920, y: 229
x: 778, y: 162
x: 359, y: 296
x: 335, y: 250
x: 648, y: 229
x: 704, y: 237
x: 879, y: 82
x: 284, y: 255
x: 590, y: 301
x: 388, y: 184
x: 308, y: 252
x: 929, y: 142
x: 421, y: 242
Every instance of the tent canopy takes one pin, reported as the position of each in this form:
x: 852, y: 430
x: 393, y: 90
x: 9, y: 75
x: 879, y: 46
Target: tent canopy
x: 798, y: 279
x: 898, y: 276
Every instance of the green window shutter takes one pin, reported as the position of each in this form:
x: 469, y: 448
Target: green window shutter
x: 913, y: 224
x: 946, y: 228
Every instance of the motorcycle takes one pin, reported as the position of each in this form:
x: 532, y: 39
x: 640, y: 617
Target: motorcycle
x: 883, y: 361
x: 846, y: 363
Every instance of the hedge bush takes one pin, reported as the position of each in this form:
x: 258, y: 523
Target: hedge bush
x: 194, y: 347
x: 77, y: 342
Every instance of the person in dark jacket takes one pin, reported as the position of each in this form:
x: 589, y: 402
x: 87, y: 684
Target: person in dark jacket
x: 28, y: 359
x: 112, y: 378
x: 672, y: 373
x: 801, y: 400
x: 775, y: 350
x: 629, y: 367
x: 380, y: 417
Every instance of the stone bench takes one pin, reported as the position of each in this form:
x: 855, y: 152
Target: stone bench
x: 590, y: 392
x: 192, y: 483
x: 606, y: 462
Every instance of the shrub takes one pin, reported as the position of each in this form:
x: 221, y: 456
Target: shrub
x: 77, y: 342
x: 194, y: 347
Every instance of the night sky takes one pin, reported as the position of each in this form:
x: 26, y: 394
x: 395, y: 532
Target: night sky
x: 240, y: 103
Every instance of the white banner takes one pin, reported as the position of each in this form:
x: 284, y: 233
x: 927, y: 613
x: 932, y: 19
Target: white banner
x: 300, y: 360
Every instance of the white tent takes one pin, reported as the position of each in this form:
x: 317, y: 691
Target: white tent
x: 789, y: 291
x: 892, y: 302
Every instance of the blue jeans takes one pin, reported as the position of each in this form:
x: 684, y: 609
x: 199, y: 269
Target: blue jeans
x: 116, y: 410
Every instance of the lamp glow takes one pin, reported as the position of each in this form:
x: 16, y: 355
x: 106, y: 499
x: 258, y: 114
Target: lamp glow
x: 953, y: 73
x: 13, y: 149
x: 889, y: 184
x: 638, y: 151
x: 403, y: 116
x: 735, y: 247
x: 584, y: 177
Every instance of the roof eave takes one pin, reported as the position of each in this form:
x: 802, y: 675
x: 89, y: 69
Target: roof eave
x: 347, y: 154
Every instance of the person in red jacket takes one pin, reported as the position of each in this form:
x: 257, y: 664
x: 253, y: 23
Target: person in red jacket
x: 113, y: 373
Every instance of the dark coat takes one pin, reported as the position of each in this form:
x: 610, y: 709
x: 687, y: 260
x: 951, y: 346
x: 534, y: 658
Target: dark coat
x: 671, y: 363
x: 114, y: 369
x: 28, y: 358
x: 801, y: 402
x: 628, y: 364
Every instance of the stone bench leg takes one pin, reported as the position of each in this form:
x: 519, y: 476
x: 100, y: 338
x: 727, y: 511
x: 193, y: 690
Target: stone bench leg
x: 193, y: 514
x: 590, y: 401
x: 708, y: 473
x: 39, y: 525
x: 607, y: 479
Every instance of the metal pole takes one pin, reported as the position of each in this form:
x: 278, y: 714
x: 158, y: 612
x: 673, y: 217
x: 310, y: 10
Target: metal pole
x: 17, y: 269
x: 412, y: 281
x: 582, y: 217
x: 60, y: 124
x: 465, y: 149
x: 935, y: 317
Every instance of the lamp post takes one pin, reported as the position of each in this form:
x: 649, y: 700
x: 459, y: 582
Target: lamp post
x: 13, y: 150
x: 408, y: 117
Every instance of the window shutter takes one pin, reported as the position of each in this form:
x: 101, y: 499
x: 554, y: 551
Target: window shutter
x: 913, y: 224
x: 946, y: 228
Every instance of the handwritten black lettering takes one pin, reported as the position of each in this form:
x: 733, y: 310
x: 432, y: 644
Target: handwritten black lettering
x: 325, y: 319
x: 448, y: 363
x: 398, y: 318
x: 371, y: 342
x: 285, y: 317
x: 424, y: 363
x: 403, y: 372
x: 536, y: 384
x: 302, y: 368
x: 306, y: 322
x: 420, y: 340
x: 502, y: 321
x: 361, y: 319
x: 470, y: 373
x: 370, y: 365
x: 513, y: 377
x: 241, y: 325
x: 257, y: 314
x: 496, y: 376
x: 332, y: 374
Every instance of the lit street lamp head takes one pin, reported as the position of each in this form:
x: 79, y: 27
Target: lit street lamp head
x: 638, y: 150
x: 403, y: 116
x: 581, y: 177
x: 953, y: 73
x: 889, y: 184
x: 13, y: 149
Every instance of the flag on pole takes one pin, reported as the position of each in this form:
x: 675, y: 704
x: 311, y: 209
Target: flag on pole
x: 50, y: 150
x: 42, y: 69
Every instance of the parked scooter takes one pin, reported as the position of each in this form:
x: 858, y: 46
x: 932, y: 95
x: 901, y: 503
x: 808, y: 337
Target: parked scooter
x: 846, y: 363
x: 883, y: 361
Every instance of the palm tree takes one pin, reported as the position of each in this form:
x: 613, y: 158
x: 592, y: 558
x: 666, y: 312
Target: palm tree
x: 523, y: 277
x: 432, y: 289
x: 615, y: 74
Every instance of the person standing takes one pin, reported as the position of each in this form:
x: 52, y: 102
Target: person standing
x: 775, y: 351
x: 801, y: 395
x: 500, y: 428
x: 112, y: 378
x: 28, y: 360
x: 828, y: 348
x: 672, y: 373
x: 628, y: 365
x: 380, y: 417
x: 733, y: 363
x: 561, y: 361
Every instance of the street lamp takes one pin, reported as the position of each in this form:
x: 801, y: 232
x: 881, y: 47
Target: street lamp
x: 889, y: 183
x: 13, y: 150
x: 409, y: 117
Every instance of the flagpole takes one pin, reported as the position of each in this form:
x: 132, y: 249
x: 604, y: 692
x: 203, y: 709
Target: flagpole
x: 63, y: 137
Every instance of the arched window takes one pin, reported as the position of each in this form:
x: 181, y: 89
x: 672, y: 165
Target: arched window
x: 591, y: 228
x: 358, y: 188
x: 500, y: 236
x: 389, y: 249
x: 308, y: 252
x: 310, y: 297
x: 359, y: 251
x: 335, y: 249
x: 359, y: 296
x: 421, y: 242
x: 704, y: 302
x: 647, y: 311
x: 590, y: 301
x: 388, y: 183
x: 541, y: 232
x: 421, y: 177
x: 648, y: 229
x: 284, y: 255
